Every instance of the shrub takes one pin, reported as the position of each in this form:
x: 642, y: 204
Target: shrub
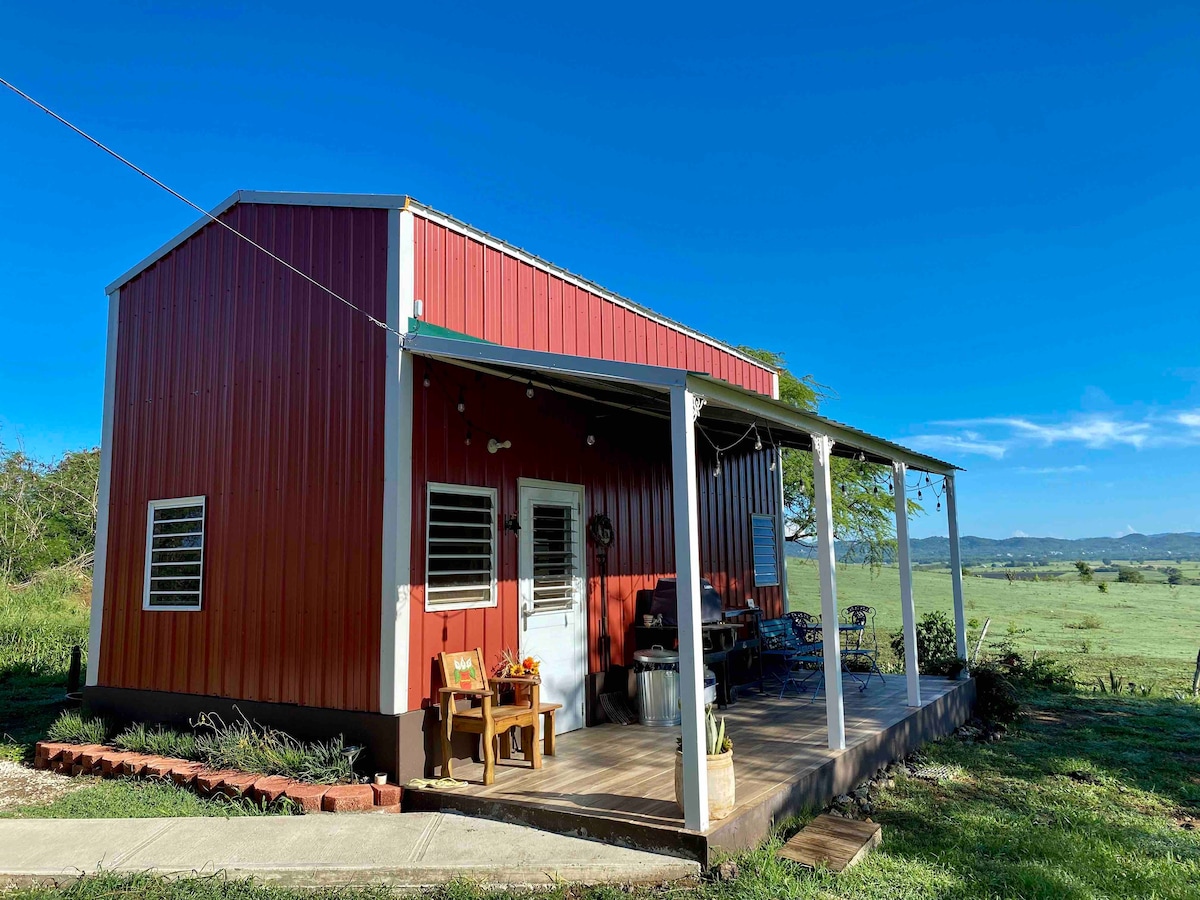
x: 1102, y: 587
x: 996, y: 697
x: 936, y: 652
x: 72, y: 728
x: 1087, y: 623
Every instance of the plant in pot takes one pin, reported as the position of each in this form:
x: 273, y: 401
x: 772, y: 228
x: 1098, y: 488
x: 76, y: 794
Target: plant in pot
x: 719, y: 748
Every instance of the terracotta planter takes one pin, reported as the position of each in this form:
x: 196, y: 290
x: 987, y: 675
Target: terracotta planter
x: 721, y: 783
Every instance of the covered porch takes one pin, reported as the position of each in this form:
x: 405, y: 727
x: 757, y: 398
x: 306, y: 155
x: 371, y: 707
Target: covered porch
x: 791, y: 752
x: 616, y: 783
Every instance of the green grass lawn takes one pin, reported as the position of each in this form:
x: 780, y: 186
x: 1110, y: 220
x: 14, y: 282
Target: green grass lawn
x: 1089, y: 798
x: 1145, y: 633
x: 126, y: 798
x: 39, y: 624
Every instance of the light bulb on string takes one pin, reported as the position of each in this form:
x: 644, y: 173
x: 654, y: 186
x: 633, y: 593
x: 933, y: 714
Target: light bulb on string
x: 771, y: 467
x: 591, y: 440
x: 468, y: 440
x: 939, y: 509
x: 757, y: 439
x: 918, y: 495
x: 462, y: 403
x: 425, y: 381
x: 529, y: 390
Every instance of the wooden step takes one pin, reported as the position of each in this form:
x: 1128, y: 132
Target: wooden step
x: 832, y: 842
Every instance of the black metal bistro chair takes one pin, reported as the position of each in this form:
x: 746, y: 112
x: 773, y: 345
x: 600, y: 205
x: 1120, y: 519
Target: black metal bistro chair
x: 861, y: 643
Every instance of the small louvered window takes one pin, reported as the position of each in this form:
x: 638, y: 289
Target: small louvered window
x: 174, y: 554
x: 555, y: 557
x: 766, y: 551
x: 460, y: 562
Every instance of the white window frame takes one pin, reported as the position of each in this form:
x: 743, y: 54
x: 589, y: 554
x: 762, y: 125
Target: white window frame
x: 774, y: 520
x: 173, y: 503
x: 471, y: 490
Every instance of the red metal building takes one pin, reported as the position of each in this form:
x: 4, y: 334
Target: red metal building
x: 279, y: 472
x: 343, y: 433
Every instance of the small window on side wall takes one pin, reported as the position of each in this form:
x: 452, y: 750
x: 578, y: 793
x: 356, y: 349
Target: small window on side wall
x: 766, y: 551
x: 460, y: 547
x: 174, y: 554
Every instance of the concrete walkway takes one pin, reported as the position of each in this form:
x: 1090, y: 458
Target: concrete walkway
x: 410, y: 849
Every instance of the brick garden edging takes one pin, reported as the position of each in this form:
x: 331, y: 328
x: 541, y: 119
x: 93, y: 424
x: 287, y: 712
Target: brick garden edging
x: 108, y: 762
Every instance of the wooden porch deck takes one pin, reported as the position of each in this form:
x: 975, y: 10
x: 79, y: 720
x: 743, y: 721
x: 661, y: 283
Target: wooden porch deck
x: 616, y: 783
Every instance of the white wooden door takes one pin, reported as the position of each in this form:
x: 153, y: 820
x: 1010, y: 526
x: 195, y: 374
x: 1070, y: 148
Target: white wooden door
x: 553, y: 598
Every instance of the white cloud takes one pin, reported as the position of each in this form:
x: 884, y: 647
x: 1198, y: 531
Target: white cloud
x: 1094, y: 431
x: 1019, y: 533
x: 964, y: 443
x: 1129, y: 529
x: 1189, y: 419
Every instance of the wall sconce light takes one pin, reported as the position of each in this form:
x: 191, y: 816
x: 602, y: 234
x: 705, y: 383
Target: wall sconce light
x: 495, y: 445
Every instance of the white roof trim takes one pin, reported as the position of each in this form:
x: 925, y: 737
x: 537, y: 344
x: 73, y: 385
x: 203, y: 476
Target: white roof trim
x: 540, y: 361
x: 403, y: 201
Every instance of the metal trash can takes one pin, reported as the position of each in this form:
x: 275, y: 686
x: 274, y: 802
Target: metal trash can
x: 657, y: 686
x: 710, y: 685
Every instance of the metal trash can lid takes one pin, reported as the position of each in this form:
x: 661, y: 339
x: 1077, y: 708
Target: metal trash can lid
x: 656, y: 655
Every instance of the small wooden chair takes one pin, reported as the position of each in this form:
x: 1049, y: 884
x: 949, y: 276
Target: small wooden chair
x: 463, y: 675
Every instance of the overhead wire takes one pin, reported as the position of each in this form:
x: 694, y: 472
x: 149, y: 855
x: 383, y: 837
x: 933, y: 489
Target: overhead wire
x: 174, y: 193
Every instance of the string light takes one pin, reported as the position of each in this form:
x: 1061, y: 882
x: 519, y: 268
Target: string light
x: 462, y: 403
x: 529, y: 390
x: 425, y: 381
x: 468, y: 441
x: 591, y: 440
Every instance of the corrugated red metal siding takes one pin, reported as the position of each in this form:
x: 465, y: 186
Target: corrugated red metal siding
x: 476, y: 289
x: 627, y: 474
x: 241, y: 382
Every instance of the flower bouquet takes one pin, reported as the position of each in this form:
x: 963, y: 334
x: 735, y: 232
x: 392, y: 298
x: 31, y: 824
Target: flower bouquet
x: 511, y: 665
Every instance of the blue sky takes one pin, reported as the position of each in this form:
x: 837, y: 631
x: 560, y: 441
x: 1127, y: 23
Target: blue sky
x: 976, y: 223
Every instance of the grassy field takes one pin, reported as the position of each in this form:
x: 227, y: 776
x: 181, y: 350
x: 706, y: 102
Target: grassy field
x: 1145, y: 633
x: 1094, y: 796
x: 39, y: 624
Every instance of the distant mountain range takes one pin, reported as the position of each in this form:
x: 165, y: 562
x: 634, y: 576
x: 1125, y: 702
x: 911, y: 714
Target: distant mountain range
x: 977, y: 550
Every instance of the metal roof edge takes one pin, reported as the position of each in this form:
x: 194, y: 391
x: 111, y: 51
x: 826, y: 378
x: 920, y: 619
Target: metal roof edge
x: 174, y: 242
x: 735, y: 396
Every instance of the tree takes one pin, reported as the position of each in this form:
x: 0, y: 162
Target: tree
x: 1174, y: 576
x: 1130, y: 575
x: 47, y: 511
x: 1085, y: 571
x: 863, y: 510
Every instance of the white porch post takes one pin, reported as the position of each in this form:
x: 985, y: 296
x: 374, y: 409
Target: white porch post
x: 835, y: 713
x: 912, y: 669
x: 685, y: 407
x: 956, y: 580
